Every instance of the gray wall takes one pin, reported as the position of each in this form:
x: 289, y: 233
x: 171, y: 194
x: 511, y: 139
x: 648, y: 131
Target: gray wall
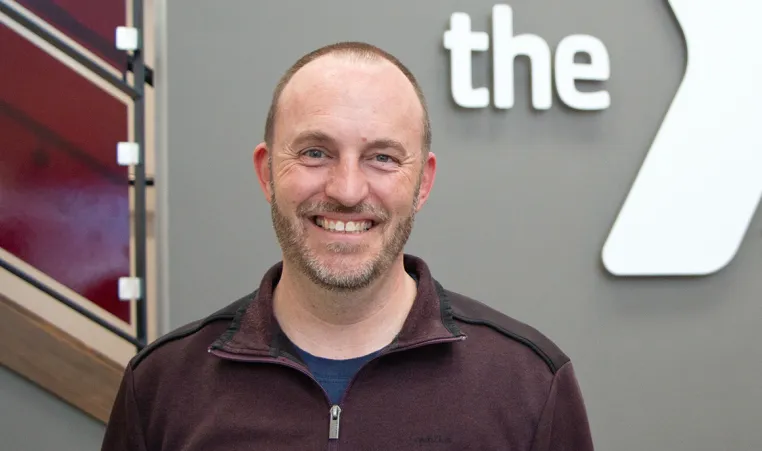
x: 521, y: 208
x: 35, y: 420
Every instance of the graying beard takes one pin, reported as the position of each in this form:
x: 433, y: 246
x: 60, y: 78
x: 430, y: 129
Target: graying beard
x: 311, y: 267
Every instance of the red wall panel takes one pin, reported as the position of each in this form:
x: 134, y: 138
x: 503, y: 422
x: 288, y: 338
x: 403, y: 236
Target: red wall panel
x: 64, y: 205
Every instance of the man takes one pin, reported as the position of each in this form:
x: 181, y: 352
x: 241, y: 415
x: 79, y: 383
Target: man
x: 349, y: 343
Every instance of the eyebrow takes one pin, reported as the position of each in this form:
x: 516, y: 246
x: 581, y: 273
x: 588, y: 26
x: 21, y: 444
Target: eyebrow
x: 386, y: 143
x: 312, y: 136
x: 318, y: 136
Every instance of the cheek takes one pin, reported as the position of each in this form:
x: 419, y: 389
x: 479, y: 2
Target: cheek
x: 395, y: 193
x: 297, y: 186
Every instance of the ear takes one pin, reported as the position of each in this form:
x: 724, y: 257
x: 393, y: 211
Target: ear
x: 427, y: 179
x: 262, y: 168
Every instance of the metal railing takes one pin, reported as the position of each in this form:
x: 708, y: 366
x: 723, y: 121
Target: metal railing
x: 33, y: 281
x: 142, y: 75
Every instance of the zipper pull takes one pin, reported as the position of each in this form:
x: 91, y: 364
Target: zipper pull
x: 333, y: 432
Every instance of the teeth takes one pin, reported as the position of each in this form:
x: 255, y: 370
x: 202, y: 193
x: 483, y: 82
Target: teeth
x: 341, y: 226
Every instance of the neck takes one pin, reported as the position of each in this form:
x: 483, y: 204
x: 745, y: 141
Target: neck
x: 343, y: 325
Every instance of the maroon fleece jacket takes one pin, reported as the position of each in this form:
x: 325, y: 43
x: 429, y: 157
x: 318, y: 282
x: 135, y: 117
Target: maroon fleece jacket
x: 459, y: 376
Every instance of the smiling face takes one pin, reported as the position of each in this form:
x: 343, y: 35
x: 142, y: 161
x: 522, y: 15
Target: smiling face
x: 346, y: 173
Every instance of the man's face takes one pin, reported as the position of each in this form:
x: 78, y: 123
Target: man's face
x: 346, y: 174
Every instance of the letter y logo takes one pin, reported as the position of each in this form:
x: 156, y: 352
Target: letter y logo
x: 701, y: 181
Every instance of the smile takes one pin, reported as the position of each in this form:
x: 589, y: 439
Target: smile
x: 335, y: 225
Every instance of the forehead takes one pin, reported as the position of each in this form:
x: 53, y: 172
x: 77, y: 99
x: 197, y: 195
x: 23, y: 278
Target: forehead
x: 346, y: 96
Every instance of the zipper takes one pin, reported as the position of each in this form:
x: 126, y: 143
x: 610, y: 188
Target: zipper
x: 335, y: 411
x: 334, y: 419
x: 333, y: 427
x: 333, y: 432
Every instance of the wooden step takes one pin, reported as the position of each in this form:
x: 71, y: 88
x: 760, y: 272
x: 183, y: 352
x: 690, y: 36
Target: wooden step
x: 56, y: 361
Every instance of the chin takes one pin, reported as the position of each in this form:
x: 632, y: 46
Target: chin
x: 355, y: 250
x: 343, y: 275
x: 341, y: 263
x: 345, y: 259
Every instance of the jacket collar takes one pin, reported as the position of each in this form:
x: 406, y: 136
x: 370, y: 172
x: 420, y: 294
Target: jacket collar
x: 255, y: 331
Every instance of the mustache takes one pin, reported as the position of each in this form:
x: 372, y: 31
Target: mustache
x: 321, y: 207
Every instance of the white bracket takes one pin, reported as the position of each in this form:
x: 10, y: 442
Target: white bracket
x: 127, y: 153
x: 129, y: 288
x: 127, y: 38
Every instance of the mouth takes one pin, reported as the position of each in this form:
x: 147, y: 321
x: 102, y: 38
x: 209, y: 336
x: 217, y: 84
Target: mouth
x: 340, y: 226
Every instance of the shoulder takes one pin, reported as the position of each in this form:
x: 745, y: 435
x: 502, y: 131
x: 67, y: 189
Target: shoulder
x: 466, y: 310
x: 210, y: 325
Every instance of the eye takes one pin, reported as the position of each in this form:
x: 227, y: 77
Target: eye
x: 314, y: 153
x: 381, y: 158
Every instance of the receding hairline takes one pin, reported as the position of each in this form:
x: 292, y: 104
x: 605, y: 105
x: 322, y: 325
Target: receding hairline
x: 358, y: 51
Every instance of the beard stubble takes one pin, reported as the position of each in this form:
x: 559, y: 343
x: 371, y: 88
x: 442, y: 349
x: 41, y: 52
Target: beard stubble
x: 292, y: 236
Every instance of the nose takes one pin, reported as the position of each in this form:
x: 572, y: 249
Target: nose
x: 347, y: 183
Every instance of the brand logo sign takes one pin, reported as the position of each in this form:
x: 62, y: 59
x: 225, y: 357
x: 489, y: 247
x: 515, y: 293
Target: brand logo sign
x: 700, y: 184
x: 462, y: 42
x: 701, y: 181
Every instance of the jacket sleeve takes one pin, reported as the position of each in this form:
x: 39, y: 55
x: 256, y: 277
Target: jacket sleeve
x: 563, y: 424
x: 124, y: 431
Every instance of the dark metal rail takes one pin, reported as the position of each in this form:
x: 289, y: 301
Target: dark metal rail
x: 50, y: 38
x: 31, y: 280
x: 149, y: 182
x: 149, y: 72
x: 138, y: 68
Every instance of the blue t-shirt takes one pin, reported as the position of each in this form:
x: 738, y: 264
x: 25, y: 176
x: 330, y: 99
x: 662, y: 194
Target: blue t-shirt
x: 333, y: 375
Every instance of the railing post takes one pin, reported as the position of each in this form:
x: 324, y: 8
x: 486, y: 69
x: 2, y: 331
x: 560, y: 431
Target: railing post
x: 138, y: 70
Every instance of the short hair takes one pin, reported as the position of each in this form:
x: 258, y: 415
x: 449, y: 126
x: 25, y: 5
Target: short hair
x: 353, y: 49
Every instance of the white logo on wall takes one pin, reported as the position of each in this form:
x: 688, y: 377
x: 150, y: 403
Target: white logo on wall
x: 701, y: 181
x: 461, y: 42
